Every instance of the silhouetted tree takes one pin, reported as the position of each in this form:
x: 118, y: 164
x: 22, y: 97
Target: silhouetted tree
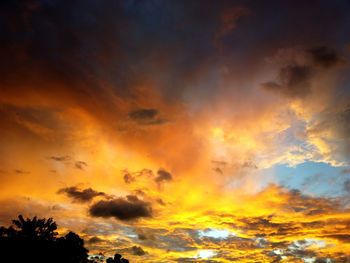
x: 35, y: 228
x: 73, y: 248
x: 117, y: 259
x: 34, y: 240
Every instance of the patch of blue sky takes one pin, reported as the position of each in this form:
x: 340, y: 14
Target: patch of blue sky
x: 313, y: 178
x: 215, y: 233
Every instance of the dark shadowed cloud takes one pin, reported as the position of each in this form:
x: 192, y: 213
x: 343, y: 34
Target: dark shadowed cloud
x: 146, y: 117
x: 294, y: 78
x: 85, y: 195
x: 163, y: 176
x: 20, y: 171
x: 130, y: 177
x: 95, y: 240
x: 324, y: 56
x: 128, y: 208
x: 293, y: 81
x: 81, y: 165
x: 63, y: 158
x: 134, y: 250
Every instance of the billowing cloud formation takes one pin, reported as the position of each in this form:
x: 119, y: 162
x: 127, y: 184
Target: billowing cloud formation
x: 291, y: 226
x: 85, y: 195
x: 331, y: 130
x: 128, y: 208
x: 107, y: 97
x: 295, y: 79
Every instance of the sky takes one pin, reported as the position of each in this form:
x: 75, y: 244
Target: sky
x: 180, y: 131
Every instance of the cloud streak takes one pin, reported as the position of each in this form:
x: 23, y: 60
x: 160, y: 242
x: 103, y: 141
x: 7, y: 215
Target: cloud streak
x: 80, y: 195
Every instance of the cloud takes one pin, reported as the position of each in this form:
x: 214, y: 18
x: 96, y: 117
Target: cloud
x: 293, y: 81
x: 218, y: 170
x: 138, y: 251
x: 95, y: 240
x: 20, y: 171
x: 324, y: 56
x: 341, y: 237
x: 63, y: 158
x: 146, y: 117
x: 298, y: 70
x: 140, y: 63
x: 229, y: 19
x: 163, y: 176
x: 134, y: 250
x: 85, y: 195
x: 347, y: 186
x: 81, y: 165
x: 128, y: 208
x: 329, y: 131
x: 130, y: 177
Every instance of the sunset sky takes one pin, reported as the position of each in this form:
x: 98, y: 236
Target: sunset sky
x: 180, y: 131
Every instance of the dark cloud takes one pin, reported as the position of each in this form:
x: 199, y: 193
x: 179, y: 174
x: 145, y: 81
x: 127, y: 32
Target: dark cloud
x: 20, y: 171
x: 81, y: 165
x: 146, y: 117
x: 85, y: 195
x: 143, y: 114
x: 324, y: 56
x: 219, y: 166
x: 128, y: 208
x: 163, y: 176
x: 295, y: 76
x: 218, y: 170
x: 63, y: 158
x: 130, y: 177
x: 122, y: 43
x: 341, y: 237
x: 160, y: 201
x: 145, y: 234
x: 136, y: 250
x: 293, y: 81
x: 95, y: 240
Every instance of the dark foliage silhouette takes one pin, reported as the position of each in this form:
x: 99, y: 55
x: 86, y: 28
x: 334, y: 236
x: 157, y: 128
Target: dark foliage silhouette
x: 35, y: 240
x: 117, y: 259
